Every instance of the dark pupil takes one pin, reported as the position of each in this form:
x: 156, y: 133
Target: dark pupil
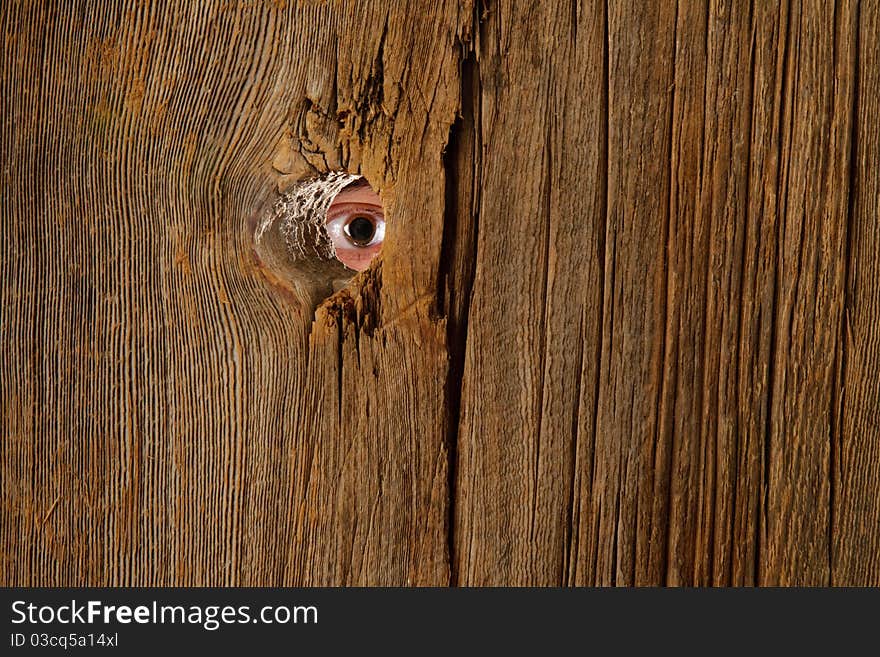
x: 361, y: 230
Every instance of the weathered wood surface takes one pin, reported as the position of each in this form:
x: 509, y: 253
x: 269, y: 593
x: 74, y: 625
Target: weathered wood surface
x: 624, y: 328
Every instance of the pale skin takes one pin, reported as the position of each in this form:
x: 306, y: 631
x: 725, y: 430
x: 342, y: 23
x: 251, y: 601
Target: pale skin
x: 356, y: 225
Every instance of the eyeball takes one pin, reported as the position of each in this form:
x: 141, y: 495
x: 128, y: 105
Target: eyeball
x: 356, y: 225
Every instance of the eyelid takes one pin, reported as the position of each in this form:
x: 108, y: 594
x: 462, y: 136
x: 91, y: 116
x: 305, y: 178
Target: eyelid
x: 375, y: 211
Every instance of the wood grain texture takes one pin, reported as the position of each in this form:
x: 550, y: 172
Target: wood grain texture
x: 856, y: 469
x: 666, y: 405
x: 623, y: 329
x: 168, y: 418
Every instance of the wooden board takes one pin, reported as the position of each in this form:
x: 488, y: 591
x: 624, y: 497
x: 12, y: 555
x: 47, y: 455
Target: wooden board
x: 623, y: 330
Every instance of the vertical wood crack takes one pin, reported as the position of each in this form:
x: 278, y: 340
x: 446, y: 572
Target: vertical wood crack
x: 458, y: 256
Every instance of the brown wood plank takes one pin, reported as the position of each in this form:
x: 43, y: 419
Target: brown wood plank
x: 714, y: 386
x: 526, y: 330
x: 544, y: 255
x: 856, y: 470
x: 623, y: 330
x: 812, y: 224
x: 169, y: 418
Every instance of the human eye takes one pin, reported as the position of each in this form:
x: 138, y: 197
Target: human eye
x: 356, y: 225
